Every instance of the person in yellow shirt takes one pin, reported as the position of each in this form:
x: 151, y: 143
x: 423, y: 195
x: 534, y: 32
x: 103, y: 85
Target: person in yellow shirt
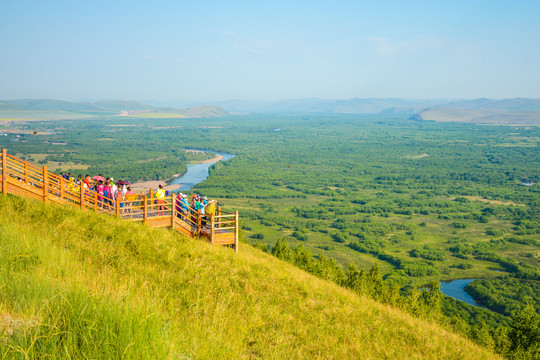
x: 211, y: 208
x: 160, y: 196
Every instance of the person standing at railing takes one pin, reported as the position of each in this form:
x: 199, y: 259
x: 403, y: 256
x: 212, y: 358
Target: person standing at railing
x: 197, y: 204
x: 126, y: 196
x: 108, y: 195
x: 101, y: 191
x: 204, y: 202
x: 202, y: 207
x: 160, y: 196
x: 177, y: 203
x: 184, y: 205
x: 193, y: 201
x: 181, y: 209
x: 210, y: 209
x: 120, y: 199
x: 114, y: 189
x: 87, y: 181
x: 71, y: 183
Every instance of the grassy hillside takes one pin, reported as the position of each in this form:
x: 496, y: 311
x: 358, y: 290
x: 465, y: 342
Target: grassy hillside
x: 79, y: 285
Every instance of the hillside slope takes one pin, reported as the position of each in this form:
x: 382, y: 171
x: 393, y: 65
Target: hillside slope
x: 78, y: 283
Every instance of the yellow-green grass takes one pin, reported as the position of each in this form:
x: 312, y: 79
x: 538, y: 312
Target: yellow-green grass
x: 74, y: 284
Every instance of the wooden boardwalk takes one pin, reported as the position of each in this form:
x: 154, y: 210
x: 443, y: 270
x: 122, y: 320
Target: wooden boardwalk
x: 20, y: 178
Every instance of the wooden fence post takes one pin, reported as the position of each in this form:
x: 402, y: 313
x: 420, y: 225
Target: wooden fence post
x: 4, y: 171
x: 62, y: 182
x: 198, y: 222
x: 95, y: 202
x: 173, y: 211
x: 145, y: 209
x: 212, y: 230
x: 45, y: 183
x: 26, y: 172
x: 82, y: 196
x: 118, y: 206
x: 219, y: 218
x: 236, y: 231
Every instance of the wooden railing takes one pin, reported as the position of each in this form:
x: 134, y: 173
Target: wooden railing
x: 26, y: 180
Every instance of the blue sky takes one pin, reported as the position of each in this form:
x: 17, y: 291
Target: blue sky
x: 219, y: 50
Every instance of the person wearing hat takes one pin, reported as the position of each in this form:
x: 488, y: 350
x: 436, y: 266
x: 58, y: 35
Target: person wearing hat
x: 183, y: 206
x: 160, y: 196
x: 197, y: 205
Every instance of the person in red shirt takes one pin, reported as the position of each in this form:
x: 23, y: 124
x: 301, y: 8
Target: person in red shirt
x: 86, y: 181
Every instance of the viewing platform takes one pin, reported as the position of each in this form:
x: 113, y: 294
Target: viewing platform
x: 20, y: 178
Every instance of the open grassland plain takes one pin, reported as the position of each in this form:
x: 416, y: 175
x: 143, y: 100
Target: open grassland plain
x: 80, y: 285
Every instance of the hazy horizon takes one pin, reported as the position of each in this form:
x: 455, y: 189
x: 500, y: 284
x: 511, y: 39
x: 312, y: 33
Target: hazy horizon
x: 221, y: 51
x: 210, y: 102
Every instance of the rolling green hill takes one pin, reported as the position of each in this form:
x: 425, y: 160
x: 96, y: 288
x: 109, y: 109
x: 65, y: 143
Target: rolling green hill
x: 45, y: 109
x: 78, y: 285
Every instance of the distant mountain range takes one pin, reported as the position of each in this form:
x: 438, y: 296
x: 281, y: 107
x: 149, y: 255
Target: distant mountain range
x: 315, y: 105
x: 519, y: 111
x: 32, y: 108
x: 516, y: 111
x: 493, y: 111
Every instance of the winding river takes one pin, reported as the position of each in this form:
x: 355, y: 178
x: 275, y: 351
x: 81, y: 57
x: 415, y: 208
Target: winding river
x: 196, y: 173
x: 456, y: 289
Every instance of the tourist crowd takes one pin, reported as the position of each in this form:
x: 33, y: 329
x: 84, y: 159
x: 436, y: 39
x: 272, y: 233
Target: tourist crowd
x: 109, y: 191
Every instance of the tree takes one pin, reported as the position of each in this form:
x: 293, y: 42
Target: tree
x: 525, y: 336
x: 482, y: 335
x: 500, y: 338
x: 432, y: 299
x: 351, y: 276
x: 303, y: 258
x: 282, y: 250
x: 379, y: 288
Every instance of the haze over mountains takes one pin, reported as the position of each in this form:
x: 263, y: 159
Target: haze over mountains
x: 522, y: 111
x: 503, y: 111
x: 316, y: 105
x: 485, y: 111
